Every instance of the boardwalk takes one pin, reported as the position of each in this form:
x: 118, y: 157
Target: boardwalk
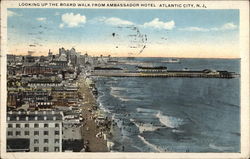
x: 89, y: 130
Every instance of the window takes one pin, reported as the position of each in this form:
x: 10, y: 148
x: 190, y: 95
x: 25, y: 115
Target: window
x: 36, y: 132
x: 46, y: 141
x: 18, y: 133
x: 56, y: 140
x: 45, y: 133
x: 56, y: 149
x: 26, y: 133
x: 9, y: 125
x: 45, y: 149
x: 17, y: 125
x: 56, y: 132
x: 56, y: 125
x: 26, y: 125
x: 36, y: 141
x: 36, y: 149
x: 10, y: 133
x: 36, y: 125
x: 46, y: 125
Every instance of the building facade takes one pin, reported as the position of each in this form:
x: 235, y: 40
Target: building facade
x: 65, y: 96
x: 43, y: 130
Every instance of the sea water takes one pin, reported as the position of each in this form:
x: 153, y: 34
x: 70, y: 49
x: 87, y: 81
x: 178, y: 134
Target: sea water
x: 174, y: 114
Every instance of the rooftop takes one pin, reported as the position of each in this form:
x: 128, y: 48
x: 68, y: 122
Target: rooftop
x: 34, y: 115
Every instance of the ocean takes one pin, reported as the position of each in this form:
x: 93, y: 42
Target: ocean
x: 174, y: 114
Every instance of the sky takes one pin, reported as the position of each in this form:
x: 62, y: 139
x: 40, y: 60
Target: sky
x: 125, y: 32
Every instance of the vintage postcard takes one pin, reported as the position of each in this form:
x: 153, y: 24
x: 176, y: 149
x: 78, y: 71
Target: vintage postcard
x: 124, y: 79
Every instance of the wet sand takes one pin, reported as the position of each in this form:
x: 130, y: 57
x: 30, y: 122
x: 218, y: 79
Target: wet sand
x: 90, y: 129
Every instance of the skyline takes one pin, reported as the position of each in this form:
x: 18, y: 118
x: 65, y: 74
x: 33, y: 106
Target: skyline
x: 142, y: 33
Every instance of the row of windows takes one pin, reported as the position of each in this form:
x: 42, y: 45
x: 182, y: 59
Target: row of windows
x: 26, y: 133
x: 46, y: 149
x: 46, y: 141
x: 28, y: 125
x: 41, y: 84
x: 44, y: 103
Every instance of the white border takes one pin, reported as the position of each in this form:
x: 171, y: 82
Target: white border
x: 243, y: 6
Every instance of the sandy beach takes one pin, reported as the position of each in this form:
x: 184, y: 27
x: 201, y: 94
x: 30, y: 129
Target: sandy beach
x: 90, y: 128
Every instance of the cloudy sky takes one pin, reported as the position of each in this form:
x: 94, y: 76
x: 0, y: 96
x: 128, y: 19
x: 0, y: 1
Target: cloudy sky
x: 126, y: 32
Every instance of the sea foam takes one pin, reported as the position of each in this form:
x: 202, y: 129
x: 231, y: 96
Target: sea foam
x: 117, y: 91
x: 169, y: 121
x: 220, y: 148
x: 104, y: 108
x: 144, y: 110
x: 144, y: 126
x: 154, y: 147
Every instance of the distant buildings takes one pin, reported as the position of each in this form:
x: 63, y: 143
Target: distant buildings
x: 36, y: 69
x: 37, y: 87
x: 69, y: 55
x: 44, y: 82
x: 65, y: 96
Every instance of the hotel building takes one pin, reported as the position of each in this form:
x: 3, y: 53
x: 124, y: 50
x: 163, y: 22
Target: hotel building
x: 38, y: 131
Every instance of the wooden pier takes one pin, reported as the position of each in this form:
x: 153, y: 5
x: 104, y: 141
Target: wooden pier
x: 179, y: 74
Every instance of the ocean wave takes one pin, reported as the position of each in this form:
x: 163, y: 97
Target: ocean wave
x: 127, y: 99
x: 137, y: 147
x: 220, y: 148
x: 144, y: 126
x: 177, y: 131
x: 144, y: 110
x: 169, y: 121
x: 103, y: 108
x: 114, y: 80
x: 100, y: 96
x: 111, y: 81
x: 118, y: 88
x: 116, y: 92
x: 156, y: 148
x: 99, y: 101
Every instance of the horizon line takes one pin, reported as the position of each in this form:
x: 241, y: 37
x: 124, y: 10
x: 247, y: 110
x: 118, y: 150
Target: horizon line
x: 138, y: 56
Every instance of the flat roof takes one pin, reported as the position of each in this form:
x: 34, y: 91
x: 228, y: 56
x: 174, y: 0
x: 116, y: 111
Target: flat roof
x: 34, y: 115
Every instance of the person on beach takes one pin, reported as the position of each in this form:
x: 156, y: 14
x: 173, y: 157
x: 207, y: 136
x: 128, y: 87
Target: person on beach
x: 123, y: 148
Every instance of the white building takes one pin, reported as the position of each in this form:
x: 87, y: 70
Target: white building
x: 42, y: 131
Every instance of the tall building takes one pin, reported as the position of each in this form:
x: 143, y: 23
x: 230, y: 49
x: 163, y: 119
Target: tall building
x: 38, y: 131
